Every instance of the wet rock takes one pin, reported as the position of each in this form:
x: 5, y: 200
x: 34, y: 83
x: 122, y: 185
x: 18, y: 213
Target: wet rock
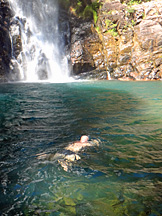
x: 86, y: 47
x: 15, y: 33
x: 92, y: 75
x: 5, y: 43
x: 10, y: 43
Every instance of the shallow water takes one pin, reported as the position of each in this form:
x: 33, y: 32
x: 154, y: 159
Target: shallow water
x: 120, y: 177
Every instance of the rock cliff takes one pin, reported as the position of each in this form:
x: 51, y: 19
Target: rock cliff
x: 109, y: 39
x: 125, y: 41
x: 5, y: 42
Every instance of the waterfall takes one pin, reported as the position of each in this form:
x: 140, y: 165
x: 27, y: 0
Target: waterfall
x: 42, y: 55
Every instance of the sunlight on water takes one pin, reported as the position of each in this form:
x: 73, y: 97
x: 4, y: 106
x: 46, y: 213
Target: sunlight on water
x: 120, y: 177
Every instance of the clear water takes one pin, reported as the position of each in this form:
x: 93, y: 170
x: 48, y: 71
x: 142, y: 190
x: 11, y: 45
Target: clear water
x: 121, y: 177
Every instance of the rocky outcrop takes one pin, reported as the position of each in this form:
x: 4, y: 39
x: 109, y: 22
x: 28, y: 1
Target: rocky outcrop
x: 10, y: 43
x: 86, y: 46
x: 5, y: 42
x: 110, y: 39
x: 126, y: 41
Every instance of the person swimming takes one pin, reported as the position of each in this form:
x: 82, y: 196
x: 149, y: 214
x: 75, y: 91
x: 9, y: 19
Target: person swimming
x: 69, y: 154
x: 77, y: 146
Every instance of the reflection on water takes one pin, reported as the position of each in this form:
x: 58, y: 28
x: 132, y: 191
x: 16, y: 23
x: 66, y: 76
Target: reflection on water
x: 121, y: 177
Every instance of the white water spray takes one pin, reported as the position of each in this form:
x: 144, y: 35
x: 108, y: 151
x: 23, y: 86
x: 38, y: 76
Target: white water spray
x: 42, y: 56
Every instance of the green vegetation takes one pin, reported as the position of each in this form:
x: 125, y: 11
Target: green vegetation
x: 98, y: 29
x: 132, y: 2
x: 113, y: 32
x: 112, y: 28
x: 82, y: 8
x: 130, y: 10
x: 89, y: 10
x: 133, y: 22
x: 128, y: 25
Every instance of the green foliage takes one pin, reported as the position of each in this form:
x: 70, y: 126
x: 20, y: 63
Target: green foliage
x: 97, y: 29
x: 110, y: 24
x: 95, y: 17
x: 79, y: 3
x: 113, y: 32
x: 91, y: 11
x: 111, y: 27
x: 130, y: 10
x: 132, y: 2
x: 133, y: 22
x: 143, y: 15
x: 83, y: 9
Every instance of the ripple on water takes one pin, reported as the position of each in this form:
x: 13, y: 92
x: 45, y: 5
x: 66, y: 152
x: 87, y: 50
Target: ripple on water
x: 120, y: 177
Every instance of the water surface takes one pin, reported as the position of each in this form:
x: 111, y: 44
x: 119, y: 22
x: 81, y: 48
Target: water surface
x: 121, y: 177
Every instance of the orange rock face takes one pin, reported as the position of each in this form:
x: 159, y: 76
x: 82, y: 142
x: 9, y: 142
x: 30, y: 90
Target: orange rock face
x: 126, y: 41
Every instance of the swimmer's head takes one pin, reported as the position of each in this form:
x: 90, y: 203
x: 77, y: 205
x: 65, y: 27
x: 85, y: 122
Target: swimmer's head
x: 84, y: 138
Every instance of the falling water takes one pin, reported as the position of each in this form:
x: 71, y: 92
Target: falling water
x: 42, y: 56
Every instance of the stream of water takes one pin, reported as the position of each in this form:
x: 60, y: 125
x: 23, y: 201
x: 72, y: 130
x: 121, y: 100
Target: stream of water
x: 43, y: 53
x: 122, y: 176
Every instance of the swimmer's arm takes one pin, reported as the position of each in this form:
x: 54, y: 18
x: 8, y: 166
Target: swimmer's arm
x: 41, y: 156
x: 95, y: 142
x: 92, y: 143
x: 87, y: 144
x: 45, y: 156
x: 70, y: 147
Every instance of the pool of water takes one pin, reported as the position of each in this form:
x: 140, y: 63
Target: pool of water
x: 121, y: 177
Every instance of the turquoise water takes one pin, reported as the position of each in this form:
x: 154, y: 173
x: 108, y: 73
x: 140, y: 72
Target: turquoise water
x: 121, y: 177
